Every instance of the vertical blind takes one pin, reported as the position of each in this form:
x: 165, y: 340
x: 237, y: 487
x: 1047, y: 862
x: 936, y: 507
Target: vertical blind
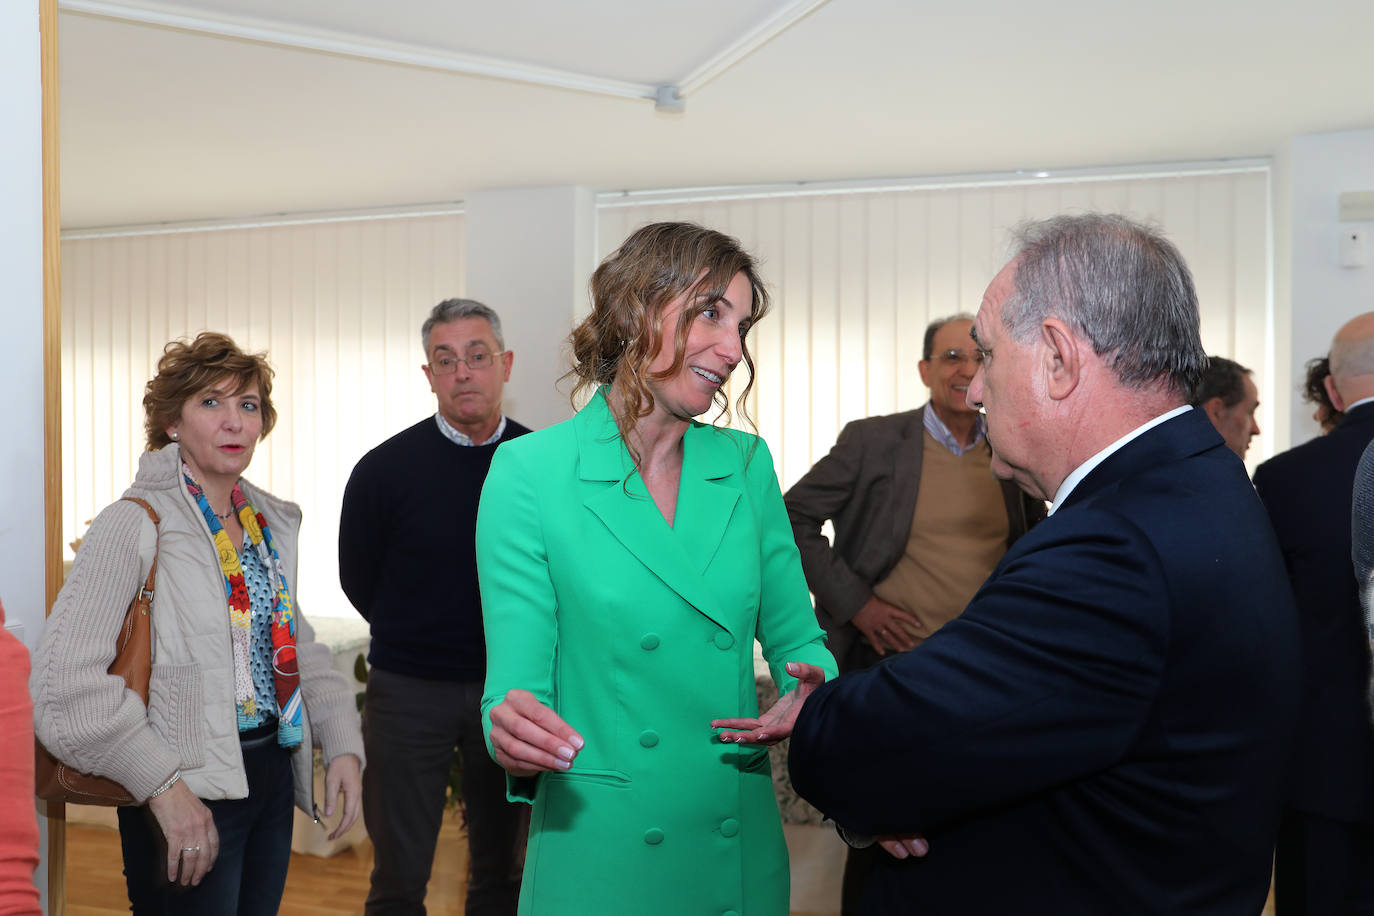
x: 336, y: 306
x: 857, y: 276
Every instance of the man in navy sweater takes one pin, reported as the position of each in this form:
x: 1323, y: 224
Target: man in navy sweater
x: 407, y: 562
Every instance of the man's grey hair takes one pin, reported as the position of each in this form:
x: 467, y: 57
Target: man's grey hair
x: 1119, y: 284
x: 928, y: 349
x: 454, y: 309
x: 1223, y: 378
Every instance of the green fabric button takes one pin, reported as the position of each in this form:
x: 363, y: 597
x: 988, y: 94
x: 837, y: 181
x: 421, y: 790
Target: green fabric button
x: 648, y: 737
x: 650, y: 642
x: 729, y: 827
x: 724, y: 640
x: 653, y: 836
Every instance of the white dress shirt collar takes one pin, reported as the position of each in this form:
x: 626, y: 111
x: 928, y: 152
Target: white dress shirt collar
x: 1083, y: 470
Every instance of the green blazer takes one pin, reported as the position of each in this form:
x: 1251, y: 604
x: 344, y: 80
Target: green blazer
x: 639, y: 635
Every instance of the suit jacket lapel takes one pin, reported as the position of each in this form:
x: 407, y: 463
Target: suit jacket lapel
x: 906, y: 478
x: 677, y: 557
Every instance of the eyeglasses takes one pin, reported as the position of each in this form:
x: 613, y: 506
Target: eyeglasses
x: 953, y: 357
x: 476, y: 360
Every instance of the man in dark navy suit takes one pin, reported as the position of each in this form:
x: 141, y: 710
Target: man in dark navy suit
x: 1325, y: 858
x: 1104, y: 729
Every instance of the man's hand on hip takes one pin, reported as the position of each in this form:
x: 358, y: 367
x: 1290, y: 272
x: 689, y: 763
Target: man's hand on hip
x: 886, y: 626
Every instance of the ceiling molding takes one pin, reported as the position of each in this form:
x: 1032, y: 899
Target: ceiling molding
x: 607, y: 199
x: 287, y: 35
x: 616, y: 199
x: 781, y: 20
x: 412, y: 211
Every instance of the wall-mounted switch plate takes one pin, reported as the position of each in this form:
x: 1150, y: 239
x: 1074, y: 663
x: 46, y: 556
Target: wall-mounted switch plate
x: 1352, y: 248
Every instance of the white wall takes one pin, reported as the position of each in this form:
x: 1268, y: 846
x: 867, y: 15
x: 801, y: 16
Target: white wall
x: 529, y: 254
x: 336, y: 306
x: 21, y: 371
x: 856, y: 277
x: 1317, y: 294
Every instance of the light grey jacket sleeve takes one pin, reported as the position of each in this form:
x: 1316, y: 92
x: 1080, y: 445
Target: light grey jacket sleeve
x: 84, y: 715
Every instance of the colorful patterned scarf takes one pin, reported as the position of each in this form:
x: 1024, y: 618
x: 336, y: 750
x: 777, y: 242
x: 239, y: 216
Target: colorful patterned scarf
x: 285, y: 674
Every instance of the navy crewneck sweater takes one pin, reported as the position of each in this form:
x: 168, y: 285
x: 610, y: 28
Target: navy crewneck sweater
x: 406, y: 551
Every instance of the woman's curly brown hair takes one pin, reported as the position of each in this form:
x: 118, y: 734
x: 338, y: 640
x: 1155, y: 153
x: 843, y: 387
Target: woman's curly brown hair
x: 188, y: 368
x: 1314, y: 391
x: 655, y: 265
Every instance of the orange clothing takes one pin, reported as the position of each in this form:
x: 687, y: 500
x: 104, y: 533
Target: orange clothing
x: 18, y: 820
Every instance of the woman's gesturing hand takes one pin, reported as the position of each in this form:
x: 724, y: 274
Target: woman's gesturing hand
x: 189, y: 828
x: 530, y: 738
x: 776, y: 724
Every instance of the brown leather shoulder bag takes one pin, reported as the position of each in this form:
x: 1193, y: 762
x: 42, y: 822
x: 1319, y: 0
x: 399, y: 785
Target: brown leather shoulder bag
x: 55, y: 780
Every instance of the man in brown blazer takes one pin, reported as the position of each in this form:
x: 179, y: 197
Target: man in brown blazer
x: 920, y: 521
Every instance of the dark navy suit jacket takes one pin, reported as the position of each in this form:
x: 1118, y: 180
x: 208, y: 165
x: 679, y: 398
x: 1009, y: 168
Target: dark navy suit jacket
x: 1307, y: 491
x: 1104, y: 729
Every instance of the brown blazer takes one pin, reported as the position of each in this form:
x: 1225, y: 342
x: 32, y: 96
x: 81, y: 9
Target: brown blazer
x: 866, y: 486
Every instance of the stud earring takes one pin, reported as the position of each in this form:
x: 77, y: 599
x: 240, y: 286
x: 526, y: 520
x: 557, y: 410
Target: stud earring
x: 175, y: 436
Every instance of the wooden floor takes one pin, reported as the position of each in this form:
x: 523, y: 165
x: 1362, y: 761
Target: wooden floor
x: 336, y: 886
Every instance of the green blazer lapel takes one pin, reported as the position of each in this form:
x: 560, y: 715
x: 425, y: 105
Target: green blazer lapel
x: 624, y: 506
x: 706, y: 496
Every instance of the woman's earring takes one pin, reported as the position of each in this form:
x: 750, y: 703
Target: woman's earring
x: 175, y: 435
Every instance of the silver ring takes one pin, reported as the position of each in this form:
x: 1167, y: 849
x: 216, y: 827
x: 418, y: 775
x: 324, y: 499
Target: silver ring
x: 190, y: 849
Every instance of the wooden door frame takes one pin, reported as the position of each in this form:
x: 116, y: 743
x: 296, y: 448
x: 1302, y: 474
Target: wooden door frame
x: 52, y: 401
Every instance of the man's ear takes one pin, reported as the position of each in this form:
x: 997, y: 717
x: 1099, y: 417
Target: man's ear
x: 1336, y: 400
x: 1214, y: 407
x: 1063, y: 360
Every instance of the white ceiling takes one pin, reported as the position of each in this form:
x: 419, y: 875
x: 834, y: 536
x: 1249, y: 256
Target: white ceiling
x: 161, y: 124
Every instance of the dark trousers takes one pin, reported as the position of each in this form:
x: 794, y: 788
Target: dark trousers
x: 254, y: 847
x: 410, y: 728
x: 858, y: 865
x: 1323, y: 867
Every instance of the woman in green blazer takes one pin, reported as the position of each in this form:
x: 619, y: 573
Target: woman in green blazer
x: 628, y: 559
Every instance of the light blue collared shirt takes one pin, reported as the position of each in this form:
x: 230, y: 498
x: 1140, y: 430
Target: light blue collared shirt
x: 461, y: 438
x: 937, y: 428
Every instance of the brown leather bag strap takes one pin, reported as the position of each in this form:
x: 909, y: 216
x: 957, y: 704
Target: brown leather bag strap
x: 145, y: 595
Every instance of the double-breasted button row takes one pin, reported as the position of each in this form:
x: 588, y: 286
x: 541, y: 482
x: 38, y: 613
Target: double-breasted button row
x: 651, y: 641
x: 728, y: 828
